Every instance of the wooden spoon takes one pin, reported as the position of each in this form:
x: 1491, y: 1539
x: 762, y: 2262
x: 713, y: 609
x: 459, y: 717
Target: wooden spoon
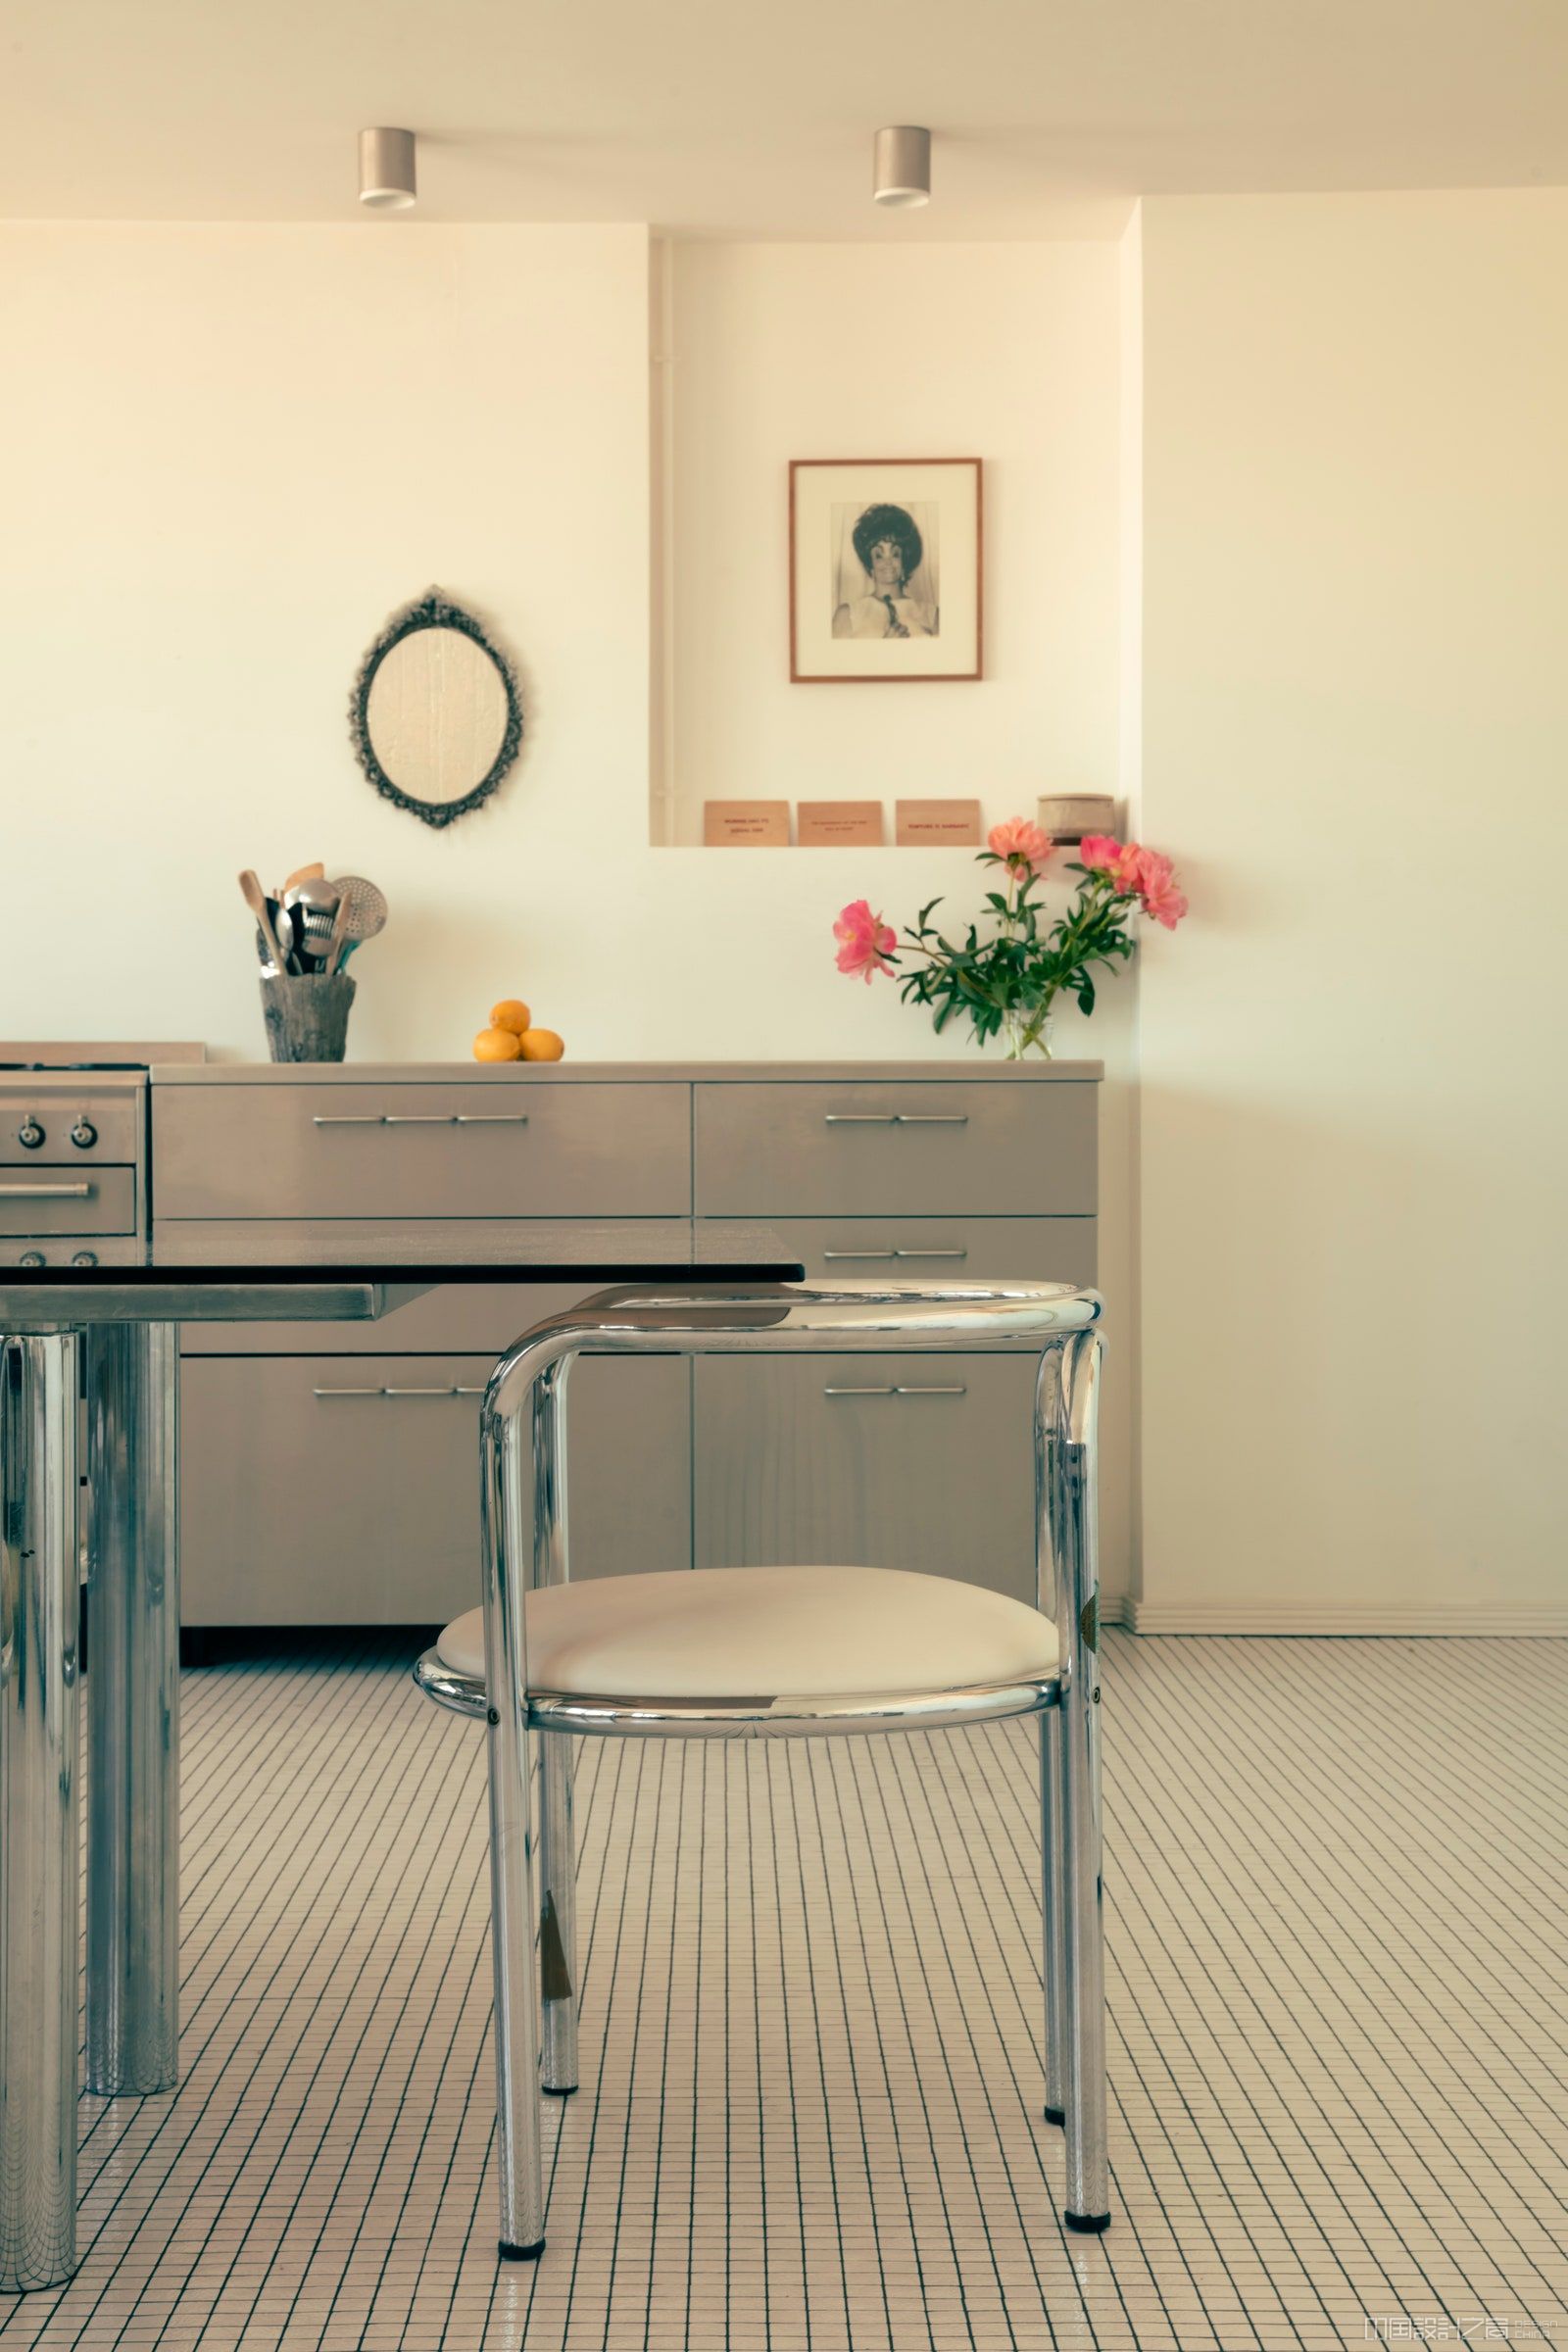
x: 255, y: 898
x: 305, y: 873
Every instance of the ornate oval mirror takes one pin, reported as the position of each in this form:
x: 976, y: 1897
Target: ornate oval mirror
x: 437, y: 720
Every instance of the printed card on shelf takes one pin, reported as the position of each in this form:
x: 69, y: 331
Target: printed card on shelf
x: 939, y: 824
x: 838, y: 824
x: 745, y: 824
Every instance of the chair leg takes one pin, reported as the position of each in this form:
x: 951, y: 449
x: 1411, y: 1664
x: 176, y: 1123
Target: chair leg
x: 558, y: 1915
x: 503, y: 1491
x: 1073, y: 1503
x: 1088, y: 2167
x: 1053, y: 1917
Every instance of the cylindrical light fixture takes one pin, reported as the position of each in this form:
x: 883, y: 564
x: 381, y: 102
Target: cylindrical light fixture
x: 386, y: 170
x: 901, y: 174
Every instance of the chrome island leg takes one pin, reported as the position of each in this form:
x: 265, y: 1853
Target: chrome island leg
x: 133, y: 1709
x: 38, y: 1732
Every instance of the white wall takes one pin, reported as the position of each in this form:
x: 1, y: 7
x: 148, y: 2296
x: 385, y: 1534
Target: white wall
x: 1355, y: 716
x: 1006, y: 351
x: 1009, y: 352
x: 233, y: 450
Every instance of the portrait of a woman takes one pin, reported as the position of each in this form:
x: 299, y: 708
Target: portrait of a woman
x: 885, y: 571
x: 892, y: 601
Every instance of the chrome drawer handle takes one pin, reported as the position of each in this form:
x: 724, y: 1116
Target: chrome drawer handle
x: 46, y: 1192
x: 843, y: 1253
x: 422, y: 1118
x: 901, y: 1390
x: 896, y: 1118
x: 388, y: 1391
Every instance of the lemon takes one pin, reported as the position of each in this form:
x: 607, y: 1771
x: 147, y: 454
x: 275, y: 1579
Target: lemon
x: 541, y: 1045
x: 511, y: 1014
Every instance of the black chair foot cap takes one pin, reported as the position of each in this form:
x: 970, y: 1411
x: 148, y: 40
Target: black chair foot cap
x: 1056, y: 2115
x: 512, y: 2253
x: 1087, y: 2222
x: 558, y: 2091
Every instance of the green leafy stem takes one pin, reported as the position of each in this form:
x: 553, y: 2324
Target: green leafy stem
x: 1014, y: 978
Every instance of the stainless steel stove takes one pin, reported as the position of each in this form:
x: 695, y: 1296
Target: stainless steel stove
x: 74, y: 1161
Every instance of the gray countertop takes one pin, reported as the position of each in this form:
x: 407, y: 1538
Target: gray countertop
x: 975, y: 1071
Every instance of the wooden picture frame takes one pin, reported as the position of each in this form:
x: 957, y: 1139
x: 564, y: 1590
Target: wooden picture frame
x: 904, y: 605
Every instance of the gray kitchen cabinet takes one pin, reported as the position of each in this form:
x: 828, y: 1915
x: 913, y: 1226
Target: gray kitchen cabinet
x: 344, y: 1489
x: 946, y: 1249
x: 896, y: 1462
x: 866, y: 1147
x: 357, y: 1505
x: 416, y: 1150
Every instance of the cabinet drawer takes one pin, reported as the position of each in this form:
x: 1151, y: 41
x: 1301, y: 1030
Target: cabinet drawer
x: 973, y: 1249
x: 886, y: 1461
x: 68, y: 1199
x: 317, y: 1491
x: 879, y: 1148
x: 533, y: 1149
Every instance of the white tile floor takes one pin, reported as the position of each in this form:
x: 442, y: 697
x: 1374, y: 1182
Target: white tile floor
x: 1337, y: 1882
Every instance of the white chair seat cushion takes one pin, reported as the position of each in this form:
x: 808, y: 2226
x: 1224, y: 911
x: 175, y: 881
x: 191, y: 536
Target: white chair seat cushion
x: 748, y: 1632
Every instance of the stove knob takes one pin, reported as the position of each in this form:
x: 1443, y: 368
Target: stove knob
x: 32, y: 1257
x: 29, y: 1135
x: 85, y: 1257
x: 85, y: 1134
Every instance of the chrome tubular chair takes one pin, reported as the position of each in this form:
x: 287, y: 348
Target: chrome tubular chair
x: 700, y: 1653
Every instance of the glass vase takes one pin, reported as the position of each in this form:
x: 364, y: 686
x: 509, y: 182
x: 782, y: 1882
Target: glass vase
x: 1027, y: 1030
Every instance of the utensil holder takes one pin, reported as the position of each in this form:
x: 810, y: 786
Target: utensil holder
x: 307, y: 1017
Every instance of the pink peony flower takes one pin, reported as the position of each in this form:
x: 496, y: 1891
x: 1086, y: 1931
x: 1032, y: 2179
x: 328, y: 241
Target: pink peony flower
x: 865, y: 941
x: 1102, y: 856
x: 1154, y: 877
x: 1026, y: 849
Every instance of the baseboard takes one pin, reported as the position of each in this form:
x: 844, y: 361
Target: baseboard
x: 1329, y: 1617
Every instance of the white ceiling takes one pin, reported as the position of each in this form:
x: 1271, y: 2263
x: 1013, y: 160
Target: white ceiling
x: 754, y: 117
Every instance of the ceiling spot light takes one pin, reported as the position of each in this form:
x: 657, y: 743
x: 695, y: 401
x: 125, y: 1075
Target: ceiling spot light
x: 902, y: 174
x: 386, y: 171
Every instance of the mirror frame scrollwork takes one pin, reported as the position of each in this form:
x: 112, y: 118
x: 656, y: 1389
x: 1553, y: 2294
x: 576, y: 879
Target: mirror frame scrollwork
x: 433, y: 610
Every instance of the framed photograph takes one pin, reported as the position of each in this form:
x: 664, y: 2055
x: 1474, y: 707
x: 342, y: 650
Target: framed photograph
x: 885, y: 569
